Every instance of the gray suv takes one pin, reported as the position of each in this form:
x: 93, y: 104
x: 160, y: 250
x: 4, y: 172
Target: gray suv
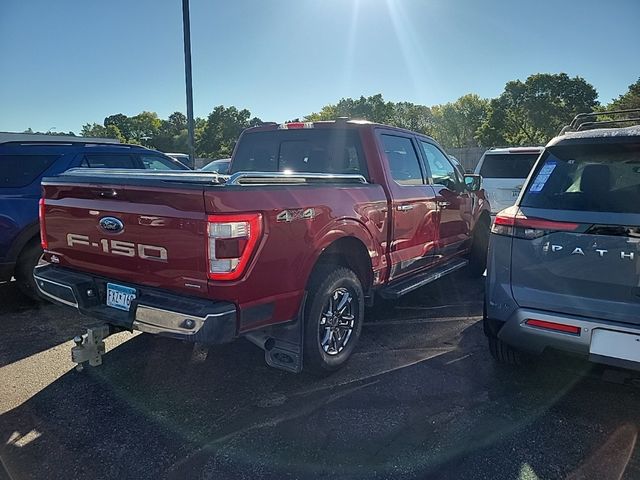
x: 564, y: 261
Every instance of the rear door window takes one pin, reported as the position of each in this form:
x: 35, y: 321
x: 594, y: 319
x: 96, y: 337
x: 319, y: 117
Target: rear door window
x: 402, y: 159
x: 601, y: 178
x: 305, y: 150
x: 508, y: 165
x: 21, y: 170
x: 108, y: 160
x: 157, y: 162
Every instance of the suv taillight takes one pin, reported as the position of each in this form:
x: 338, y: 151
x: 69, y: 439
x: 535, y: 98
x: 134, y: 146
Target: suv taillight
x: 43, y: 230
x: 512, y: 222
x: 231, y: 240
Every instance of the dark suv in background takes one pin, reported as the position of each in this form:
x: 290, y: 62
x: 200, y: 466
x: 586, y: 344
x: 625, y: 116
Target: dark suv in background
x: 24, y: 160
x: 564, y: 261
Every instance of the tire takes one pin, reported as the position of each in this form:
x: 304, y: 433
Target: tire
x: 330, y: 341
x: 479, y: 248
x: 27, y: 261
x: 503, y: 353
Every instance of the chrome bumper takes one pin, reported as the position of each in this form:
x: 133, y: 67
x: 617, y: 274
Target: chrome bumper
x: 153, y: 311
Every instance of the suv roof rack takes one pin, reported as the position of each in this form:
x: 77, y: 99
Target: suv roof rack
x: 42, y: 138
x: 576, y: 125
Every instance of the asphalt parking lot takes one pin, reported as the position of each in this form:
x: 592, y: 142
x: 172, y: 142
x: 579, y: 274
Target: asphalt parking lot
x: 421, y: 398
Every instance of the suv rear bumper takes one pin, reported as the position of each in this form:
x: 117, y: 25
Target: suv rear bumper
x: 153, y: 311
x: 533, y: 339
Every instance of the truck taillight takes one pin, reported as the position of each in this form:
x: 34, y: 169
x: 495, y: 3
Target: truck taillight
x: 511, y: 222
x: 231, y: 241
x: 43, y: 230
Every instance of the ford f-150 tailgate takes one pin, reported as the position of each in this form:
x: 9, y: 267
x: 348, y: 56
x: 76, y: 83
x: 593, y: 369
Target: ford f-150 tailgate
x: 136, y: 233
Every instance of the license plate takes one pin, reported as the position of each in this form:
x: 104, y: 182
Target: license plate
x: 119, y: 296
x: 607, y: 343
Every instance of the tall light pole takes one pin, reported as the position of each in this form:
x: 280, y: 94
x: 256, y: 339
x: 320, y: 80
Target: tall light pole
x: 186, y: 30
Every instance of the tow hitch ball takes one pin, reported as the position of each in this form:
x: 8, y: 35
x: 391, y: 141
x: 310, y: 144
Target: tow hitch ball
x: 90, y: 347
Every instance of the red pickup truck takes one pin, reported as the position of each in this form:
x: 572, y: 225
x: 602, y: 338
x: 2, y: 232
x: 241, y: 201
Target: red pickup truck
x: 314, y: 220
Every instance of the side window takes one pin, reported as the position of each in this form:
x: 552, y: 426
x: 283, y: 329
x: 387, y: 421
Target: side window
x: 156, y: 162
x: 20, y: 170
x: 442, y: 171
x: 402, y: 159
x: 108, y: 160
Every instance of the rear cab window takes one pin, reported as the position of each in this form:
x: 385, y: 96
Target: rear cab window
x: 21, y: 170
x: 322, y: 150
x: 508, y: 165
x: 589, y: 177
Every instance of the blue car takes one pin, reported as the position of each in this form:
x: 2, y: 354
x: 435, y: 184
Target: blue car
x: 24, y: 160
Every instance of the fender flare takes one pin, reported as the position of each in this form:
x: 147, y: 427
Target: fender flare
x: 344, y: 228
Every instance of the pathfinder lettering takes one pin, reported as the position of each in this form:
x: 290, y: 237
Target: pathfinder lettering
x: 601, y: 252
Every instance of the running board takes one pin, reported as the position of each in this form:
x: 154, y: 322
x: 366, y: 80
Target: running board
x: 402, y: 287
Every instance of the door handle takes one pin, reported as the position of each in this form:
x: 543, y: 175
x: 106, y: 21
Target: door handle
x: 404, y: 208
x: 444, y: 204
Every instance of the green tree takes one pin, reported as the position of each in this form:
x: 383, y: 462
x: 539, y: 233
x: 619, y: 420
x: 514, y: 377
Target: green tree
x: 532, y: 112
x: 373, y: 108
x: 121, y: 121
x: 411, y: 116
x: 99, y: 131
x: 630, y: 99
x: 223, y: 127
x: 455, y: 124
x: 144, y: 127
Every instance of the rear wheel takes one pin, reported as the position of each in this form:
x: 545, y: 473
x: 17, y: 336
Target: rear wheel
x: 503, y: 353
x: 479, y: 247
x: 27, y: 261
x: 333, y: 318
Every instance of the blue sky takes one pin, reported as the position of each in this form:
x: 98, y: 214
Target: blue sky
x: 69, y: 62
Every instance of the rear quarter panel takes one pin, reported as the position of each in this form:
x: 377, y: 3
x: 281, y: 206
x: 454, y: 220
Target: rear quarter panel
x: 272, y: 288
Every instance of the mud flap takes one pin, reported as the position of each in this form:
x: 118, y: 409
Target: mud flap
x: 283, y: 344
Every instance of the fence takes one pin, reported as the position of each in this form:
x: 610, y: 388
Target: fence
x: 468, y: 156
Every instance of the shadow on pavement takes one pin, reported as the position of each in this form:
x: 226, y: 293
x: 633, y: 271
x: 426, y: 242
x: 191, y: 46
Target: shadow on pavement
x: 28, y: 326
x: 156, y: 410
x: 420, y: 399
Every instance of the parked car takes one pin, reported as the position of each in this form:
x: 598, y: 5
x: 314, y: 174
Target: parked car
x: 218, y: 166
x: 504, y: 171
x: 24, y: 160
x: 315, y: 219
x: 564, y: 261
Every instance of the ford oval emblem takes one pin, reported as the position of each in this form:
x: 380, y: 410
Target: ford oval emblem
x: 111, y: 224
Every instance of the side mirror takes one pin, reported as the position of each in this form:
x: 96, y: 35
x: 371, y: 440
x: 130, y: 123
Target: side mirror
x: 473, y: 182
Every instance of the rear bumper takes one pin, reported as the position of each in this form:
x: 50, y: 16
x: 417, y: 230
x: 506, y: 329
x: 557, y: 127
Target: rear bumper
x: 518, y: 334
x: 153, y: 311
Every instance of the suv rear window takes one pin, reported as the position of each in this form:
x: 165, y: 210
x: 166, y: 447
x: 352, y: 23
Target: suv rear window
x: 508, y: 165
x: 21, y: 170
x: 601, y: 178
x: 304, y: 150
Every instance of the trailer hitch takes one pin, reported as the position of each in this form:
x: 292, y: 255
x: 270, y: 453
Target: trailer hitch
x: 90, y: 347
